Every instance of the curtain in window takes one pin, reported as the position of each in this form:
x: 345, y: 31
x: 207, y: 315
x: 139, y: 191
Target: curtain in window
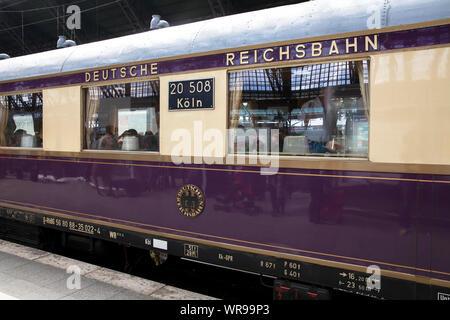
x: 92, y: 105
x: 364, y: 86
x: 37, y: 117
x: 3, y: 121
x: 236, y: 88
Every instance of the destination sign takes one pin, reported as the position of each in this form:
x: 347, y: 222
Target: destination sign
x: 191, y: 94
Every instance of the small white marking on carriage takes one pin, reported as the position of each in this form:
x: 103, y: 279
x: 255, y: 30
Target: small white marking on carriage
x: 160, y: 244
x: 443, y: 296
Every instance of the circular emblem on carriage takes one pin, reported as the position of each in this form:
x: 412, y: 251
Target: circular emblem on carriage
x: 190, y: 200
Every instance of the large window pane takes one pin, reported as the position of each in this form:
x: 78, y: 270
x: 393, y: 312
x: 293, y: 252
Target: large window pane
x: 21, y: 120
x: 123, y: 117
x: 318, y: 109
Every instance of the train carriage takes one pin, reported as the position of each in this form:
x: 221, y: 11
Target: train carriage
x: 308, y: 143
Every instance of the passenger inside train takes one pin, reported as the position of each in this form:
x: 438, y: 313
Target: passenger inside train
x: 123, y: 117
x: 21, y: 120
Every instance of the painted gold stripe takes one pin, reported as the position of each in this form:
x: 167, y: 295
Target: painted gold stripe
x: 232, y: 170
x: 218, y: 237
x: 438, y: 282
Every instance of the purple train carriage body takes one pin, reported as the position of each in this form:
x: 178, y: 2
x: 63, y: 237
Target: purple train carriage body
x: 355, y: 195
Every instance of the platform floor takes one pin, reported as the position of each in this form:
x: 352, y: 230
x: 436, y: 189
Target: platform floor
x: 32, y: 274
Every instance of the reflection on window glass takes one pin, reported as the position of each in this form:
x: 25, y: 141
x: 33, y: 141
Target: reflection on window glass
x: 123, y: 117
x: 318, y: 109
x: 21, y: 120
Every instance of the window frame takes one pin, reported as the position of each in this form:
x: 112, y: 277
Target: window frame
x: 295, y: 64
x: 86, y: 87
x: 27, y: 92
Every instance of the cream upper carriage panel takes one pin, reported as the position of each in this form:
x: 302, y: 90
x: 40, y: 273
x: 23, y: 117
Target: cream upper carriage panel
x: 284, y: 23
x: 410, y: 113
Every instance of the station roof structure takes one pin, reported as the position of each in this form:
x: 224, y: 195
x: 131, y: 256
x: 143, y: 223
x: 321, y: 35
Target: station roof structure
x: 31, y: 26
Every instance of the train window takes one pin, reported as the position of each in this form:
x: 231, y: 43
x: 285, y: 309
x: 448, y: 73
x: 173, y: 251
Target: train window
x: 123, y: 117
x: 21, y: 120
x: 319, y: 110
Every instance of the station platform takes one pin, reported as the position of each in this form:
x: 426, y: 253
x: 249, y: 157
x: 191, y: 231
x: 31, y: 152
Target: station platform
x: 31, y: 274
